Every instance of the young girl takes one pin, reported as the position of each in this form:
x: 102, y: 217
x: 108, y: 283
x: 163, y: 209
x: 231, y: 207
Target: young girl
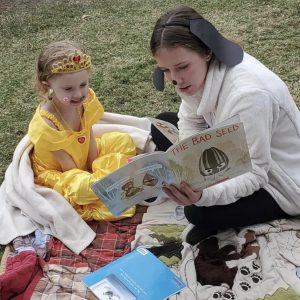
x: 66, y: 155
x: 216, y: 79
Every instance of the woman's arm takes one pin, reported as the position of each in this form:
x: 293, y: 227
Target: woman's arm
x: 258, y: 113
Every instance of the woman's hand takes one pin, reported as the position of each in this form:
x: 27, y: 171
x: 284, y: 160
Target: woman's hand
x: 185, y: 195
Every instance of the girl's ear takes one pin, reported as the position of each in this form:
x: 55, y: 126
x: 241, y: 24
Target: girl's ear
x: 45, y: 84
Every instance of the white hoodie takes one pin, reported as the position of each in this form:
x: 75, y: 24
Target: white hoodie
x: 272, y: 124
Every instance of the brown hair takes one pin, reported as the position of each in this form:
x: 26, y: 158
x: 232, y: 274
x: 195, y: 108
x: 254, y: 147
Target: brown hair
x: 177, y: 35
x: 52, y: 53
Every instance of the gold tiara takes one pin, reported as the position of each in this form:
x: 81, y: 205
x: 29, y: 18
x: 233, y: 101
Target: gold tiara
x: 74, y: 63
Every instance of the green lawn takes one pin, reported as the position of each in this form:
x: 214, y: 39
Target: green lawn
x: 116, y: 34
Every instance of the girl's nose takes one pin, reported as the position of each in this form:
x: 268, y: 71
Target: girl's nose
x: 78, y: 94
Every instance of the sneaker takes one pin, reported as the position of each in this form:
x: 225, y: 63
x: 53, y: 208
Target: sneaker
x: 193, y: 235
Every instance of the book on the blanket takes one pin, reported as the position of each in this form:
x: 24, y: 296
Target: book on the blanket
x: 202, y: 160
x: 138, y: 275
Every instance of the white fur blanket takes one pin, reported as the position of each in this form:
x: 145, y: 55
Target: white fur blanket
x: 25, y: 206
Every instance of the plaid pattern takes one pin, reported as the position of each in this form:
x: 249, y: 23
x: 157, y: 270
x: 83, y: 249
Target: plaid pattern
x: 62, y: 283
x: 64, y: 270
x: 113, y: 240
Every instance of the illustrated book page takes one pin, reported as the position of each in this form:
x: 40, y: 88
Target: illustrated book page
x: 167, y: 129
x: 142, y: 178
x: 202, y: 160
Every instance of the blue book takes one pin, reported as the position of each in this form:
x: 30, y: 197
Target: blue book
x: 138, y: 275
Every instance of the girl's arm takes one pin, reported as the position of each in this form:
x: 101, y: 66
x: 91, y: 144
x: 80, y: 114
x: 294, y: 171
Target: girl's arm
x: 93, y: 151
x: 67, y: 163
x: 65, y: 160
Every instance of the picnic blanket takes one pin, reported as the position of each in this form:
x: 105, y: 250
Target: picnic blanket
x: 260, y: 262
x: 256, y: 263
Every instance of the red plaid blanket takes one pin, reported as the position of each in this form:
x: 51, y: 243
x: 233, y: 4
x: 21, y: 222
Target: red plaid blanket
x: 112, y: 241
x: 64, y: 269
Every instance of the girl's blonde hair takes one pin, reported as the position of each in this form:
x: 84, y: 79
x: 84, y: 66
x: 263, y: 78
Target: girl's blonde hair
x: 51, y: 54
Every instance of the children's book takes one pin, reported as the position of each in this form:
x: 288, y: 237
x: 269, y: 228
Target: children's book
x: 138, y: 275
x: 202, y: 160
x: 167, y: 129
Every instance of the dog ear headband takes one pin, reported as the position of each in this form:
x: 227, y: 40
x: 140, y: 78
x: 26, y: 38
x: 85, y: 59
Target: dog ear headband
x: 226, y: 51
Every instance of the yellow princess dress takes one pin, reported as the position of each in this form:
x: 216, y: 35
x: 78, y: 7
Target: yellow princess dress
x: 114, y: 149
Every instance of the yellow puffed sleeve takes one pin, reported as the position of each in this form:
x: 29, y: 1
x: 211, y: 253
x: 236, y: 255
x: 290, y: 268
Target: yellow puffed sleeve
x: 93, y: 109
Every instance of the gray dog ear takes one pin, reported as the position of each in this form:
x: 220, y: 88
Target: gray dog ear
x: 158, y: 79
x: 226, y: 51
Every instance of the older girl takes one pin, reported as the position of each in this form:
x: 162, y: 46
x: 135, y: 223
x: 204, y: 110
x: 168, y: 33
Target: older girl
x: 216, y: 79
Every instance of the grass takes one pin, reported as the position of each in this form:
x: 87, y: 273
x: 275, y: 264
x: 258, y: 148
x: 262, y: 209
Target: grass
x: 116, y: 34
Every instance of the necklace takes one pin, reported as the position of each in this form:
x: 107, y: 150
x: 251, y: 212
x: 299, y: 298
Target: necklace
x: 81, y: 139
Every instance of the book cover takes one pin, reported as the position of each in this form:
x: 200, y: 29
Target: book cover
x: 202, y: 160
x: 138, y: 275
x: 209, y: 158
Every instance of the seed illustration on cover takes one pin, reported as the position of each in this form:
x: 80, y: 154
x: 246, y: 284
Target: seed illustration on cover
x: 212, y: 161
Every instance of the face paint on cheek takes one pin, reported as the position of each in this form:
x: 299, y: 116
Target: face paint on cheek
x: 65, y: 99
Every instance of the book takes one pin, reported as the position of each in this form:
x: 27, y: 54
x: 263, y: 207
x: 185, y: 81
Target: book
x: 202, y: 160
x: 138, y: 275
x: 167, y: 129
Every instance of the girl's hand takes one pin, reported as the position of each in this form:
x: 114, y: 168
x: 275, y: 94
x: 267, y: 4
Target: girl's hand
x: 185, y: 195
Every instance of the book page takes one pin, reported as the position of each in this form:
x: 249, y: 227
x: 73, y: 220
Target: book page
x: 139, y: 180
x: 171, y: 132
x: 167, y: 129
x: 210, y: 157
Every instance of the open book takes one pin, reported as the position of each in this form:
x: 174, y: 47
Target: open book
x: 202, y: 160
x: 138, y: 275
